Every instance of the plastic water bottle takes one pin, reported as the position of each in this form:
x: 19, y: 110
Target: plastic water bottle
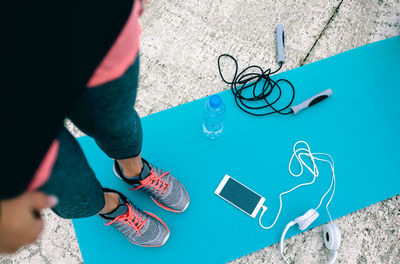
x: 214, y: 115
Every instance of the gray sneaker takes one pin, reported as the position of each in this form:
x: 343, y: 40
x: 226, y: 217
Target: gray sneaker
x: 164, y: 189
x: 141, y: 228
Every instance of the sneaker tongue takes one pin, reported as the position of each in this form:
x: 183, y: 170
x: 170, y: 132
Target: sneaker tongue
x: 145, y: 171
x: 143, y: 174
x: 120, y: 210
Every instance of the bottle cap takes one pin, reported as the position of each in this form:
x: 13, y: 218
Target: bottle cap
x: 215, y: 101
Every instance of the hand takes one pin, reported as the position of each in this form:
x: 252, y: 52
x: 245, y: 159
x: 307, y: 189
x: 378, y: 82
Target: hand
x: 20, y: 221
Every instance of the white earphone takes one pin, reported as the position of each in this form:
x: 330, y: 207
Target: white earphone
x: 332, y: 239
x: 331, y: 233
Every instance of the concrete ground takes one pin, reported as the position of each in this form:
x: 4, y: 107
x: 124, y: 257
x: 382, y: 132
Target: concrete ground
x: 180, y: 45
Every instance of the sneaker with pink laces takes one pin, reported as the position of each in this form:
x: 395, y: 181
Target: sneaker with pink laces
x: 141, y: 228
x: 165, y: 190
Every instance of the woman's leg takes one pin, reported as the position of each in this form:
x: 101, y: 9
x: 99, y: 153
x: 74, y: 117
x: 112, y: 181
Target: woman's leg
x: 72, y: 180
x: 81, y: 195
x: 107, y: 114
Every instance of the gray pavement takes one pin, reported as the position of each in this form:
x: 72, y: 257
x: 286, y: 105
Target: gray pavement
x: 180, y: 45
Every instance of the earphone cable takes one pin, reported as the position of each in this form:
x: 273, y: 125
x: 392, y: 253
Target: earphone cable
x: 298, y: 153
x: 333, y: 183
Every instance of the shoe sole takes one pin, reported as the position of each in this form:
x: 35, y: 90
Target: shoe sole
x: 165, y: 239
x: 158, y: 203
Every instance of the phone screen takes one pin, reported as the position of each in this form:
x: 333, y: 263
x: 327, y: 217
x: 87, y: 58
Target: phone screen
x: 240, y: 196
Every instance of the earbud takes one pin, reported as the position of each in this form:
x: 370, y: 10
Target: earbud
x: 332, y: 239
x: 332, y: 236
x: 307, y: 219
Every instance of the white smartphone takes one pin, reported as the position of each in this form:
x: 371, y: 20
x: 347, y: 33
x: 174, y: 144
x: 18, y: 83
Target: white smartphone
x: 240, y: 196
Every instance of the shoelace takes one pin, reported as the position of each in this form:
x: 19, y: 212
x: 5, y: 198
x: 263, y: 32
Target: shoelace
x: 131, y: 218
x: 154, y: 181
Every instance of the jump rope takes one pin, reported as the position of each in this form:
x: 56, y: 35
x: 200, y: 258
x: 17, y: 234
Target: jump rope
x: 265, y: 92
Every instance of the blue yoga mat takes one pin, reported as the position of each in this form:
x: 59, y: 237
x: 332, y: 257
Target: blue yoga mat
x: 358, y: 125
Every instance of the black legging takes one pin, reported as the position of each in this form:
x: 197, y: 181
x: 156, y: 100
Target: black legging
x: 105, y: 113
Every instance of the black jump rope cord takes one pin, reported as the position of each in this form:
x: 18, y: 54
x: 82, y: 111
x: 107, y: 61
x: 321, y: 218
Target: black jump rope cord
x: 253, y: 77
x: 249, y: 78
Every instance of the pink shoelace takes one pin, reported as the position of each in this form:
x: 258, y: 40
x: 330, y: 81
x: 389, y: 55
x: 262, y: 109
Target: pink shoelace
x: 130, y: 218
x: 155, y: 182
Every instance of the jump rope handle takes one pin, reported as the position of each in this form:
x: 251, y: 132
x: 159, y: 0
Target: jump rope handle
x: 312, y: 101
x: 280, y: 43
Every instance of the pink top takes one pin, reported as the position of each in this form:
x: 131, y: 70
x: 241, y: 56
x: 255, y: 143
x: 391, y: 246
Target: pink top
x: 122, y: 53
x: 114, y: 64
x: 42, y: 174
